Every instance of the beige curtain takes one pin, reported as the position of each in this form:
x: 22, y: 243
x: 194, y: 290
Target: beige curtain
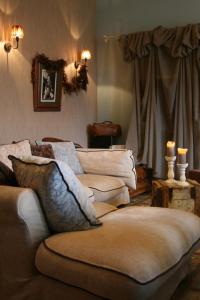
x: 166, y: 93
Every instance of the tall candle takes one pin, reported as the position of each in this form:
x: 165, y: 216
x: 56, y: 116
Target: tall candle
x: 182, y: 155
x: 170, y: 148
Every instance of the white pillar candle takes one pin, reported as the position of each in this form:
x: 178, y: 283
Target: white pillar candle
x: 182, y: 155
x: 170, y: 148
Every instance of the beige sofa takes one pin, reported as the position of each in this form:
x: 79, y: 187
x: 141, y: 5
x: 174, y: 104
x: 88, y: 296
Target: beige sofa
x: 139, y: 253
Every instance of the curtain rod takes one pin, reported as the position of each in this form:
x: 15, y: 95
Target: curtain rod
x: 108, y: 37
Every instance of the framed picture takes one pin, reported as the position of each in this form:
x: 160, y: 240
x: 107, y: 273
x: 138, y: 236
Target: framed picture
x: 47, y: 79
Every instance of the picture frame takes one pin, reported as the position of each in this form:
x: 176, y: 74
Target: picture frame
x: 47, y: 79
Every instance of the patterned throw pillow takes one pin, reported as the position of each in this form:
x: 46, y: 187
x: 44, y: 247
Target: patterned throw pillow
x: 18, y: 149
x: 42, y: 150
x: 64, y: 200
x: 65, y: 151
x: 7, y: 176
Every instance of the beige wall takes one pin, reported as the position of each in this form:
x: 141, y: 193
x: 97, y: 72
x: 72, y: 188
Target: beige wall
x: 58, y: 29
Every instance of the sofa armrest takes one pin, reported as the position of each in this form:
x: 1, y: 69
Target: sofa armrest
x: 22, y: 228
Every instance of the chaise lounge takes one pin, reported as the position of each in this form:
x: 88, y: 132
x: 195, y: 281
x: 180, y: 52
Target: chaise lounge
x: 139, y: 253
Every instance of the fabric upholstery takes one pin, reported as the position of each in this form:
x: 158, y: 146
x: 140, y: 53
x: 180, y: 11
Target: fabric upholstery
x: 120, y: 199
x: 17, y: 149
x: 105, y: 187
x: 119, y: 163
x: 65, y: 151
x: 23, y: 227
x: 103, y: 208
x: 42, y: 150
x: 134, y: 251
x: 63, y: 198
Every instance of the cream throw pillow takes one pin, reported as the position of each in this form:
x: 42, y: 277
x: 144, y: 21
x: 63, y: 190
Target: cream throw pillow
x: 19, y: 149
x: 118, y: 163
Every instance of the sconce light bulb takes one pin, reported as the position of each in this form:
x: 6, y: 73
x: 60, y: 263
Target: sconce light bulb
x: 85, y: 55
x: 17, y: 32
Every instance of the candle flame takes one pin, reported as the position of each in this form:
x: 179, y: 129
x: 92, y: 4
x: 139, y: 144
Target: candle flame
x: 170, y: 144
x: 182, y: 151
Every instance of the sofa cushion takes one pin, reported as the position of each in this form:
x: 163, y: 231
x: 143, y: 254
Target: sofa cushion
x: 42, y: 151
x: 65, y: 151
x: 17, y: 149
x: 104, y: 187
x: 119, y: 163
x: 103, y: 208
x: 131, y: 255
x: 64, y: 200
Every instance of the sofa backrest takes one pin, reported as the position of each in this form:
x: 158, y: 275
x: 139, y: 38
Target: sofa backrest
x: 54, y: 140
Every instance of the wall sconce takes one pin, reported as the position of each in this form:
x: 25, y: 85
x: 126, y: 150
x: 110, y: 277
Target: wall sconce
x: 81, y: 79
x: 16, y: 33
x: 85, y: 56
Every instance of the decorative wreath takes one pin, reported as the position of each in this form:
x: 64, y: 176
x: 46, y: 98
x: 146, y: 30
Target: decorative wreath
x: 78, y: 82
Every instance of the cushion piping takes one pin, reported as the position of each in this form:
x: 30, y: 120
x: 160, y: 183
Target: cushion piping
x: 54, y: 162
x: 106, y: 190
x: 106, y: 213
x: 71, y: 285
x: 116, y: 271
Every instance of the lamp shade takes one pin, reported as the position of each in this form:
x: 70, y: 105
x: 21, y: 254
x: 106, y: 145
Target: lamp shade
x: 17, y: 31
x: 85, y: 55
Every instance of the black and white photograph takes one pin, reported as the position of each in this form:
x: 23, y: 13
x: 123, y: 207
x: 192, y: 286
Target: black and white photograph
x: 48, y: 86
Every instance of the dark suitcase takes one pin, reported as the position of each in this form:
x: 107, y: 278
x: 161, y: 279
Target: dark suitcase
x: 106, y: 128
x: 102, y: 135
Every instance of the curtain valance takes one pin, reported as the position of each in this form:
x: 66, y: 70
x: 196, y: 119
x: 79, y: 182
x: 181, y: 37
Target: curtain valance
x: 178, y: 41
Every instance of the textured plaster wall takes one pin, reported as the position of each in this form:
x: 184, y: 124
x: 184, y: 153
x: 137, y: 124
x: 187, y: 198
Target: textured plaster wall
x: 115, y: 17
x: 57, y: 28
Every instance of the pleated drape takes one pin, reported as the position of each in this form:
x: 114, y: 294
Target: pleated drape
x: 166, y: 93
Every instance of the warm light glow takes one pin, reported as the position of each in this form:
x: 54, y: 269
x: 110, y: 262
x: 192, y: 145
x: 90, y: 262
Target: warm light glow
x: 182, y: 151
x: 85, y: 55
x: 17, y: 31
x: 170, y: 144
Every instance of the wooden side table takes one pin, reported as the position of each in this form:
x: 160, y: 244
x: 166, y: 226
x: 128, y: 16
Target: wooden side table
x: 176, y: 196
